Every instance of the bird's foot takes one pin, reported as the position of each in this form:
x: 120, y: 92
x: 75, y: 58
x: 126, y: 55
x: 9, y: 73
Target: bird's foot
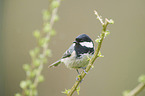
x: 79, y: 78
x: 85, y: 72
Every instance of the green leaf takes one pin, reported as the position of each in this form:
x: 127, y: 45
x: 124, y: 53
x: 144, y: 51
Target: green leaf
x: 47, y: 27
x: 48, y: 53
x: 43, y: 42
x: 98, y: 40
x: 56, y: 18
x: 37, y: 62
x: 92, y: 66
x: 111, y: 21
x: 27, y: 92
x: 141, y: 79
x: 66, y: 91
x: 36, y: 50
x: 78, y: 90
x: 35, y: 92
x: 52, y: 32
x: 32, y: 53
x: 18, y: 94
x: 33, y: 73
x: 36, y: 34
x: 26, y: 67
x: 28, y: 73
x: 54, y: 4
x: 23, y: 84
x: 29, y: 82
x: 43, y: 58
x: 126, y: 93
x: 46, y: 15
x: 100, y: 55
x: 32, y: 86
x: 41, y: 78
x: 107, y: 33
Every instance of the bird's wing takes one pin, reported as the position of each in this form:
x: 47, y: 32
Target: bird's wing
x: 65, y: 55
x: 68, y: 52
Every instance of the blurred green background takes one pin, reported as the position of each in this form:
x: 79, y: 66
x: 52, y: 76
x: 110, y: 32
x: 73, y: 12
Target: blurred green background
x: 124, y: 48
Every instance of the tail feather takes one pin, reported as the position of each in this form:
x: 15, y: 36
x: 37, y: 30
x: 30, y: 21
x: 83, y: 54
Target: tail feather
x: 55, y: 64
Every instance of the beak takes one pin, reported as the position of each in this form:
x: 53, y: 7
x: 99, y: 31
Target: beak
x: 75, y: 42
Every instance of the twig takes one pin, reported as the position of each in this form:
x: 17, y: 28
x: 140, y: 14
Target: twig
x: 137, y: 90
x: 33, y: 71
x: 95, y: 56
x: 54, y: 13
x: 45, y: 47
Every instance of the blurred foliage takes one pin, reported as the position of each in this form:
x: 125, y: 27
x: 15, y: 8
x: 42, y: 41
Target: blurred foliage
x: 141, y: 79
x: 137, y: 89
x: 40, y: 53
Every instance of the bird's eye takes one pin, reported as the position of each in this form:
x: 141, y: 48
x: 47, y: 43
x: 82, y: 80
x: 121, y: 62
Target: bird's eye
x: 79, y: 40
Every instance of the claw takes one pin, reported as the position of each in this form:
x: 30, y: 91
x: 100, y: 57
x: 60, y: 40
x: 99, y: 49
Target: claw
x: 79, y: 76
x: 78, y: 79
x: 84, y: 68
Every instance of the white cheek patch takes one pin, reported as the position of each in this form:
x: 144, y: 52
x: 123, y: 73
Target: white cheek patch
x: 87, y: 44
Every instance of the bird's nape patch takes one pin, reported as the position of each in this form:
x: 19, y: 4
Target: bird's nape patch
x: 87, y: 44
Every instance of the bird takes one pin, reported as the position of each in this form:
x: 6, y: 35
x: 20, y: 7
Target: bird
x: 78, y: 54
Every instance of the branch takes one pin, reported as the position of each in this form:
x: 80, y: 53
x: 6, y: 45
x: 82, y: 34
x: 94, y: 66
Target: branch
x: 137, y: 89
x: 45, y: 47
x: 96, y: 54
x: 52, y: 20
x: 40, y: 53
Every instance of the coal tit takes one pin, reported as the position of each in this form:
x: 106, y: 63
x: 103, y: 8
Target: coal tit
x: 78, y: 54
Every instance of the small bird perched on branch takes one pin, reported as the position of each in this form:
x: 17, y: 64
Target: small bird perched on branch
x: 78, y: 54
